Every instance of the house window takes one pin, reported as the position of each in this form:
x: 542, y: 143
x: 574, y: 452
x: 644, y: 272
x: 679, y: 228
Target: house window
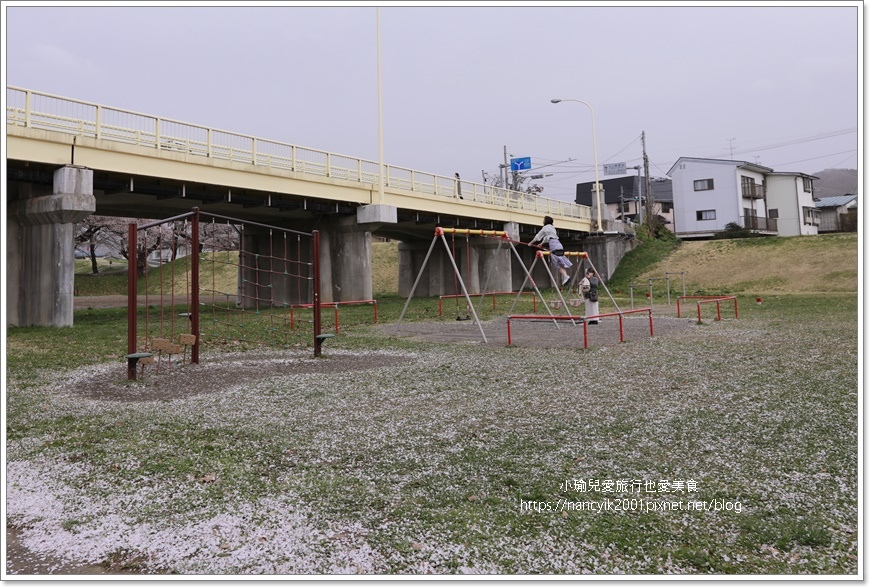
x: 703, y: 184
x: 808, y: 185
x: 667, y: 207
x: 811, y: 216
x: 773, y: 213
x: 706, y: 214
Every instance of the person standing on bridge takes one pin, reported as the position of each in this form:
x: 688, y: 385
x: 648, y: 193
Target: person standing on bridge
x: 547, y: 237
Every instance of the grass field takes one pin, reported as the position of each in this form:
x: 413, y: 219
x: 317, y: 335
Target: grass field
x: 731, y: 448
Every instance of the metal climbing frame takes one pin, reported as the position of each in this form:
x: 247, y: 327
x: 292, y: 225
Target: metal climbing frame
x: 270, y: 277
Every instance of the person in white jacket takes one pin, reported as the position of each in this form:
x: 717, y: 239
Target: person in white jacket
x: 548, y: 237
x: 589, y: 287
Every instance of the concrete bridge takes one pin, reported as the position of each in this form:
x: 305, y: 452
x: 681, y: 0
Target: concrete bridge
x: 67, y: 159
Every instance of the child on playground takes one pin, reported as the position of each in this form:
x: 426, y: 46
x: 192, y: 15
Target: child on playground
x: 589, y: 287
x: 547, y: 237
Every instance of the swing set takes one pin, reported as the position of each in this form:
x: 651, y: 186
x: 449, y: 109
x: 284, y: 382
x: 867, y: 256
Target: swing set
x: 503, y: 239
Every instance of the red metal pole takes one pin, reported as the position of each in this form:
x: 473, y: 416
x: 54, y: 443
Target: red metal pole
x: 336, y: 318
x: 509, y: 331
x: 132, y: 257
x: 194, y: 286
x: 699, y: 312
x: 375, y: 303
x: 718, y: 311
x: 735, y: 307
x: 650, y: 324
x: 585, y: 336
x: 315, y: 254
x: 678, y: 307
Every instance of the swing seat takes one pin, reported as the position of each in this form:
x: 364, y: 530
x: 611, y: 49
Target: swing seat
x: 555, y: 304
x: 575, y: 302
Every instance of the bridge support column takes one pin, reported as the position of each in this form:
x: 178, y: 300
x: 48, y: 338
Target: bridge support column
x: 480, y: 261
x: 273, y: 269
x: 40, y: 254
x: 345, y: 260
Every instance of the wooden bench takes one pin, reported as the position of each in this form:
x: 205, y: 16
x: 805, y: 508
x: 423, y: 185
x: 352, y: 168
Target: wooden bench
x: 186, y: 340
x: 164, y: 345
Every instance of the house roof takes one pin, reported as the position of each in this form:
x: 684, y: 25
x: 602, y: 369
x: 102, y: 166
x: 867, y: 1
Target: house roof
x: 837, y: 201
x: 743, y: 164
x: 793, y: 173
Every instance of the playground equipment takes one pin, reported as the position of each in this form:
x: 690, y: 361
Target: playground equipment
x: 620, y: 314
x: 667, y: 279
x: 576, y: 275
x: 440, y: 235
x: 709, y: 300
x: 275, y: 267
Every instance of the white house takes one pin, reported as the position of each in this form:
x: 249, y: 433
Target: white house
x: 711, y: 193
x: 790, y: 202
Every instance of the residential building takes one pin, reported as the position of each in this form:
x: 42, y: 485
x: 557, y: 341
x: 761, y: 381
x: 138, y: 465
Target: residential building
x: 709, y: 194
x: 623, y: 198
x: 838, y: 213
x: 790, y: 202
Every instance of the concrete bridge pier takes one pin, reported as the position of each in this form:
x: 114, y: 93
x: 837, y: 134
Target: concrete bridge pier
x: 40, y: 253
x: 345, y: 265
x: 345, y: 260
x: 273, y: 270
x: 480, y: 260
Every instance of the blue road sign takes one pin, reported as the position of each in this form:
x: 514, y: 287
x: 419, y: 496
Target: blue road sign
x: 521, y: 163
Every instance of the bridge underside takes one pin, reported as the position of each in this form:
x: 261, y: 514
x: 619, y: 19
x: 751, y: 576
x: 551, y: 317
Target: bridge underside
x: 40, y: 251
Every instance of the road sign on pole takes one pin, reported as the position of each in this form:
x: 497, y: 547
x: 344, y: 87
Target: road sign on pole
x: 521, y: 163
x: 614, y: 168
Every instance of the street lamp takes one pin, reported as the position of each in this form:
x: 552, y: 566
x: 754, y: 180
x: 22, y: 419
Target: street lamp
x: 597, y: 187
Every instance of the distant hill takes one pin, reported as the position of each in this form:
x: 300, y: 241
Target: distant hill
x: 836, y: 182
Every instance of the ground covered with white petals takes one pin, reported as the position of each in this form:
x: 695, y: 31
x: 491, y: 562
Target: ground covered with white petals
x: 422, y: 457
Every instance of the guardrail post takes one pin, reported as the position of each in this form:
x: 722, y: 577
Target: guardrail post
x: 27, y: 105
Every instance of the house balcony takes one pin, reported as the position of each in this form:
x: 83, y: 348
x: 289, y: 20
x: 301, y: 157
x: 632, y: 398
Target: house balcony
x: 755, y: 192
x: 759, y: 224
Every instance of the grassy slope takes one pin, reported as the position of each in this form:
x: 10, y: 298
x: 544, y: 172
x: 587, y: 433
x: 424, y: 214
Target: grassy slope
x: 778, y: 265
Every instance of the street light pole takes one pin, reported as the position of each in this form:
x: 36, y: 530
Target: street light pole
x: 597, y: 187
x: 380, y: 115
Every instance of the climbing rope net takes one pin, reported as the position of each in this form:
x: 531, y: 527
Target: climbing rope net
x: 230, y: 283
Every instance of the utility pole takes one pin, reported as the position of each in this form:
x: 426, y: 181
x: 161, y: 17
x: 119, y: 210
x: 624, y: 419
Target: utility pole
x: 647, y: 190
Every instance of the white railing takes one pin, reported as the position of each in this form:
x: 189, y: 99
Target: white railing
x: 38, y: 110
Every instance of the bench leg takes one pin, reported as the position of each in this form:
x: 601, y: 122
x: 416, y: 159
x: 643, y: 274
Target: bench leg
x: 131, y: 368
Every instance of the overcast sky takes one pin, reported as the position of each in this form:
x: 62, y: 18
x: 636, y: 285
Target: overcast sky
x: 774, y: 85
